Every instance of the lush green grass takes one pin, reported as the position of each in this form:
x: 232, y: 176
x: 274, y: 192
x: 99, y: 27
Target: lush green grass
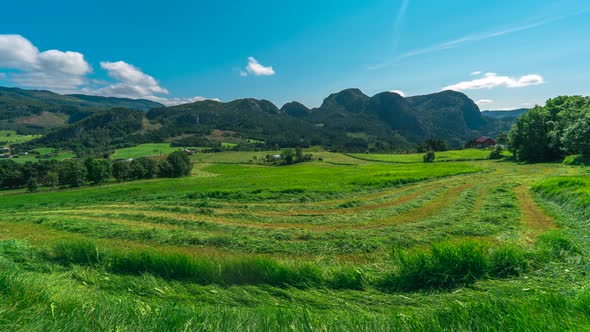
x: 144, y: 150
x: 9, y: 137
x: 334, y: 244
x: 453, y: 155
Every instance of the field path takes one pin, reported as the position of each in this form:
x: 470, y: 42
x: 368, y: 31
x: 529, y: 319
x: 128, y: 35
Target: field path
x: 532, y: 216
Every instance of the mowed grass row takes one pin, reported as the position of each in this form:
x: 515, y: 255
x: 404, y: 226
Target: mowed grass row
x: 423, y: 219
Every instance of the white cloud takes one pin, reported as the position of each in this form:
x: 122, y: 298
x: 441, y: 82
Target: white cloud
x: 243, y: 73
x: 492, y: 80
x: 16, y: 52
x: 399, y: 92
x: 475, y: 73
x: 255, y: 68
x: 179, y: 101
x: 482, y: 102
x: 67, y: 72
x: 54, y: 69
x: 131, y: 82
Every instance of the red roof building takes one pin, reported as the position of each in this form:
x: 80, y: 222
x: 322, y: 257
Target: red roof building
x: 483, y: 142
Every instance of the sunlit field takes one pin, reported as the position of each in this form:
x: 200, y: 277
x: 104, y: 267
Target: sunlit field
x: 335, y: 244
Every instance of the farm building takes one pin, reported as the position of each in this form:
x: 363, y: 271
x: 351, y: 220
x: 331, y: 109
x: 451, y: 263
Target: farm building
x: 482, y: 142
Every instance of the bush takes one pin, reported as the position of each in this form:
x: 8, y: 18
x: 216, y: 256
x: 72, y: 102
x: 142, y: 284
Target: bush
x: 496, y: 153
x: 429, y: 157
x: 576, y: 159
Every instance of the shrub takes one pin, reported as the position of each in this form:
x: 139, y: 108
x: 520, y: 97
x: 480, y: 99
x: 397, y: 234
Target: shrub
x: 576, y: 159
x: 496, y: 153
x: 429, y: 156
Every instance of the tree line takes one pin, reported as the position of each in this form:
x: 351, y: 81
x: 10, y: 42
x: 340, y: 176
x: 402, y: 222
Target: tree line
x: 89, y: 171
x: 559, y: 129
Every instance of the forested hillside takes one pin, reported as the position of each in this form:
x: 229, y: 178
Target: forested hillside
x: 38, y: 111
x: 347, y: 120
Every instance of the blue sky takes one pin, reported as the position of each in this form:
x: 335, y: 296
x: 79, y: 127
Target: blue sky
x: 503, y: 54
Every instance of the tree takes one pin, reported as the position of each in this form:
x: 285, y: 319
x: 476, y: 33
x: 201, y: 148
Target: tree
x: 179, y: 165
x: 551, y: 132
x: 136, y: 170
x: 121, y: 171
x: 98, y: 170
x: 72, y: 173
x: 576, y: 137
x: 288, y: 156
x: 165, y: 169
x: 150, y: 167
x: 32, y: 185
x: 52, y: 179
x: 503, y: 138
x: 429, y: 157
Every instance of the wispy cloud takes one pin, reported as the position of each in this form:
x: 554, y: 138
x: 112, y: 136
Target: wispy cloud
x: 398, y: 23
x: 506, y: 30
x: 492, y: 80
x: 482, y: 102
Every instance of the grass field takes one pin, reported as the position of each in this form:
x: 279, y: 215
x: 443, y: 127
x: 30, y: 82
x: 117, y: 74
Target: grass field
x: 336, y: 244
x: 9, y: 137
x: 144, y: 150
x: 453, y: 155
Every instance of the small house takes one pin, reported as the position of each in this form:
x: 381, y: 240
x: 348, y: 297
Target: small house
x: 482, y: 142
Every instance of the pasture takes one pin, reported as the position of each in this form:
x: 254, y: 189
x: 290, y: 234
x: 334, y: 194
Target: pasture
x: 9, y: 137
x: 144, y: 150
x: 451, y: 155
x: 335, y: 244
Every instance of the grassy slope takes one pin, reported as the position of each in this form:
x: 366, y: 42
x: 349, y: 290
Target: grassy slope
x: 9, y: 137
x: 144, y: 150
x: 343, y: 219
x: 453, y: 155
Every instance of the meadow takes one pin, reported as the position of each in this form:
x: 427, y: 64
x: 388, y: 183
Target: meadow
x: 451, y: 155
x: 339, y: 243
x: 9, y: 137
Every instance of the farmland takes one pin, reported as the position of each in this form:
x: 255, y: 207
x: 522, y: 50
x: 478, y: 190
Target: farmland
x: 363, y: 242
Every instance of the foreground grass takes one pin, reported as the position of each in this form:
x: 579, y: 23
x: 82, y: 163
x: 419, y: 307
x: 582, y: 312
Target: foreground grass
x: 331, y: 245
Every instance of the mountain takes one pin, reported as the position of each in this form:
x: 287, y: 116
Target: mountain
x: 505, y: 114
x: 242, y: 120
x: 347, y: 120
x: 99, y: 132
x: 295, y: 109
x: 38, y: 111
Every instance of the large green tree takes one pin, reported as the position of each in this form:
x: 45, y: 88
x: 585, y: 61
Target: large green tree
x: 560, y: 128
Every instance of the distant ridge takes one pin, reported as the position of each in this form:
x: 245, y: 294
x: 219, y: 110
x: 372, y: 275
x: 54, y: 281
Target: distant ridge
x: 504, y: 114
x: 348, y: 120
